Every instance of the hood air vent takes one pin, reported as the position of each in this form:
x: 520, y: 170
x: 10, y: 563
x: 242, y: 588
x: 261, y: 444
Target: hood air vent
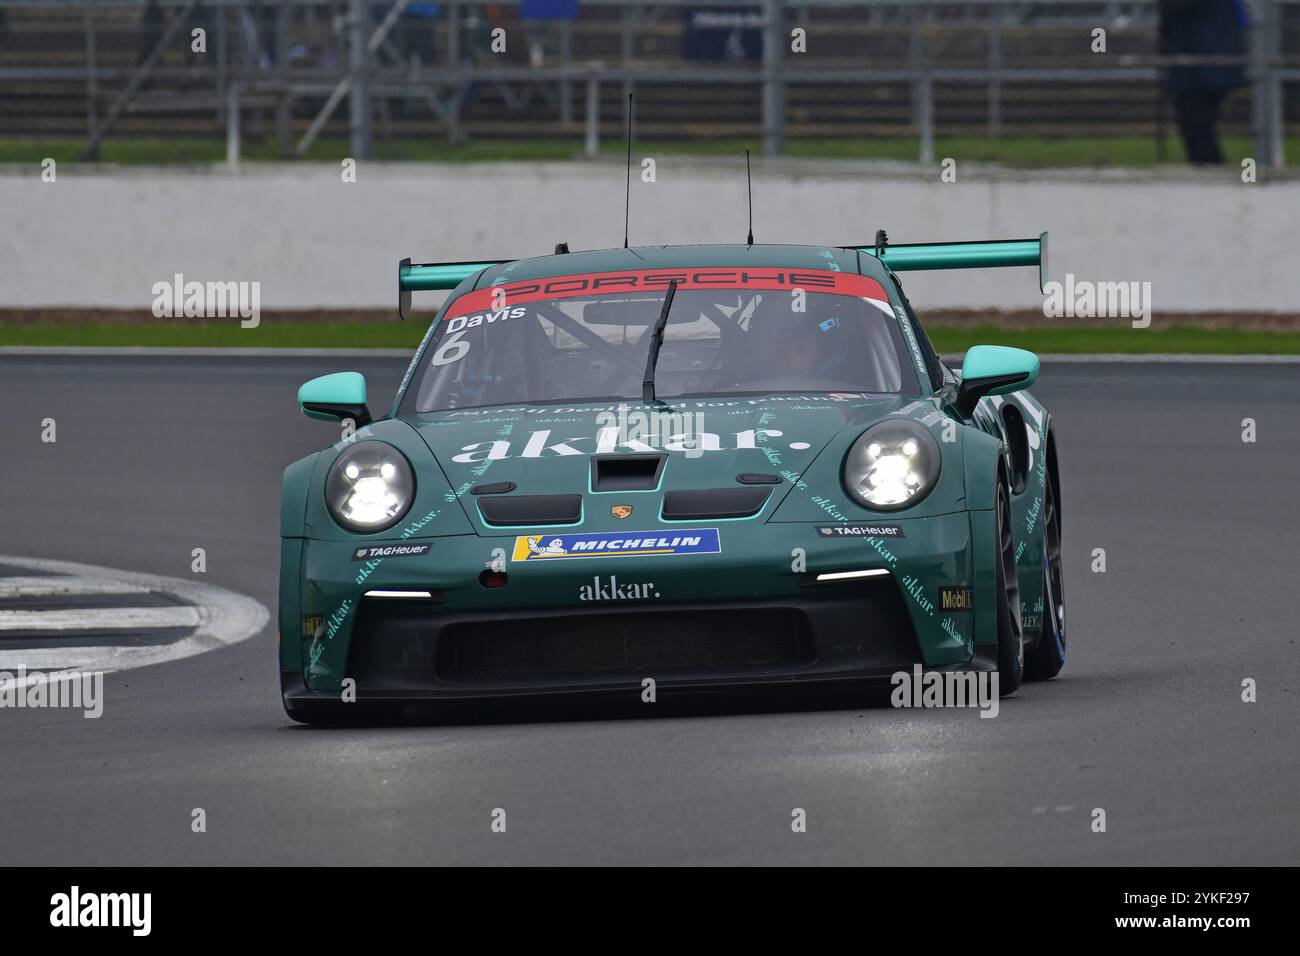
x: 714, y: 503
x: 510, y: 510
x: 626, y: 472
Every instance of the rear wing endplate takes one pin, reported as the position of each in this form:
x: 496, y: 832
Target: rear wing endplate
x: 991, y: 254
x: 433, y: 276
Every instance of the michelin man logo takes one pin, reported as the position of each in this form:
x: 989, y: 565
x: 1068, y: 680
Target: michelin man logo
x: 554, y: 546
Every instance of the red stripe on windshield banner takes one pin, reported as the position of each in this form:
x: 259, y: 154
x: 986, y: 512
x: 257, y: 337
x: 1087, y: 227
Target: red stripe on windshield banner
x: 657, y: 280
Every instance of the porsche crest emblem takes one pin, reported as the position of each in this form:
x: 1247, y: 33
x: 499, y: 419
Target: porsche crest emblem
x: 621, y: 511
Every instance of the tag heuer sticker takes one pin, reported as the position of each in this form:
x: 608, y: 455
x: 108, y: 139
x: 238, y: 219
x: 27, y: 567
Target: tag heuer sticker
x: 956, y: 599
x: 860, y: 529
x: 370, y: 552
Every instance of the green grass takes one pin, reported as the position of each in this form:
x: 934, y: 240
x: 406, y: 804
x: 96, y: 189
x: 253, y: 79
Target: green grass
x: 1021, y: 151
x: 947, y: 339
x: 1016, y: 151
x: 1173, y: 339
x: 316, y: 335
x: 183, y: 151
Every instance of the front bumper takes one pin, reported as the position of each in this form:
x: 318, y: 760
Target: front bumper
x: 753, y: 614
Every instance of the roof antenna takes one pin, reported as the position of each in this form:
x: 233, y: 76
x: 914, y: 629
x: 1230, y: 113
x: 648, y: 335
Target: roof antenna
x: 749, y: 183
x: 627, y: 202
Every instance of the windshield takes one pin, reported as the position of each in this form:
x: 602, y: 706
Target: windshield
x: 558, y: 340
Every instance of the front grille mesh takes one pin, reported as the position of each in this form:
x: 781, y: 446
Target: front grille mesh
x: 628, y: 643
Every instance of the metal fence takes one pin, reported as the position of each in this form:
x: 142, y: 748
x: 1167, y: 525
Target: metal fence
x: 745, y: 68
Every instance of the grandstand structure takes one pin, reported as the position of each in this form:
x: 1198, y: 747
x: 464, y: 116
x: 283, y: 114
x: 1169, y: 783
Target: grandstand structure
x: 762, y: 70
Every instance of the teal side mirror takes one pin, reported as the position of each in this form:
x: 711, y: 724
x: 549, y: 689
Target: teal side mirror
x: 994, y: 370
x: 335, y: 397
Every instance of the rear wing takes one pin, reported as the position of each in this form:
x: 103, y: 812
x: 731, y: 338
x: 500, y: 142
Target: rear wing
x: 990, y: 254
x: 432, y: 277
x: 923, y: 256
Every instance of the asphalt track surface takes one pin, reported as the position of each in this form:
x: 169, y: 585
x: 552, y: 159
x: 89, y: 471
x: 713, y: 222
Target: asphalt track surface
x: 157, y: 456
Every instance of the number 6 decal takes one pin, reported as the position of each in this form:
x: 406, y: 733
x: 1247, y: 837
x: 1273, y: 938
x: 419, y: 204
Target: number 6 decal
x: 451, y: 350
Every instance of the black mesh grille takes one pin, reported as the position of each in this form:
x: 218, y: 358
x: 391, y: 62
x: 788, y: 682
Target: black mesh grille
x: 829, y: 629
x: 654, y: 643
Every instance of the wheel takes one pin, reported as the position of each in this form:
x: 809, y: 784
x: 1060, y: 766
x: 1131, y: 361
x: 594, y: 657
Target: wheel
x: 1011, y: 635
x: 1045, y: 659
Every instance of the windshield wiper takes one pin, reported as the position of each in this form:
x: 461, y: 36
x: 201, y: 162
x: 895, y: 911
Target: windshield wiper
x: 656, y: 340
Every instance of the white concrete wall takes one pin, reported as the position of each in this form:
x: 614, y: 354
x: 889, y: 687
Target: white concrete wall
x: 102, y: 238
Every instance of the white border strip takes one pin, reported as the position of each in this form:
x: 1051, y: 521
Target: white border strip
x: 100, y: 619
x: 224, y: 618
x: 48, y: 585
x: 851, y: 575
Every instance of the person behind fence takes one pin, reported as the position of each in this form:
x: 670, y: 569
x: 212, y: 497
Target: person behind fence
x: 153, y: 23
x: 1202, y: 28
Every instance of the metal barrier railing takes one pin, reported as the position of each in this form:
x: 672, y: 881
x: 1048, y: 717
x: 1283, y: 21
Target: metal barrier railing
x: 241, y: 76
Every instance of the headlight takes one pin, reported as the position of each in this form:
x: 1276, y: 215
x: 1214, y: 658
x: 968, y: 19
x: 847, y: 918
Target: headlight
x: 369, y: 487
x: 892, y: 465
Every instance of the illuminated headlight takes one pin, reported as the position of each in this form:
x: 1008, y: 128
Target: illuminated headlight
x: 369, y: 487
x: 892, y: 465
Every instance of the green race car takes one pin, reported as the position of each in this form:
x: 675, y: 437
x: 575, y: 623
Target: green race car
x: 703, y: 467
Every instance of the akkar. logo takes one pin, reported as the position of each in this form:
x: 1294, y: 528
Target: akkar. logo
x: 599, y: 590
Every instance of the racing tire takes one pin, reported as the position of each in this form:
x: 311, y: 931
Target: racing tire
x: 1011, y: 634
x: 1045, y: 659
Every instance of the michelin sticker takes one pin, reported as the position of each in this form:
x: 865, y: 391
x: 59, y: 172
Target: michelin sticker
x: 632, y: 544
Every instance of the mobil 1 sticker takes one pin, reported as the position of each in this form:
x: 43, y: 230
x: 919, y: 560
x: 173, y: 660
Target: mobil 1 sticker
x: 372, y: 551
x: 860, y: 529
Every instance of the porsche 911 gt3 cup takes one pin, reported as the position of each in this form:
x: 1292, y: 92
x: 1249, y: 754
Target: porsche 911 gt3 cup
x: 711, y: 466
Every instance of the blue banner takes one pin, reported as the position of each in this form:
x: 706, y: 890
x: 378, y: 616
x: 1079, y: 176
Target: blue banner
x: 629, y: 544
